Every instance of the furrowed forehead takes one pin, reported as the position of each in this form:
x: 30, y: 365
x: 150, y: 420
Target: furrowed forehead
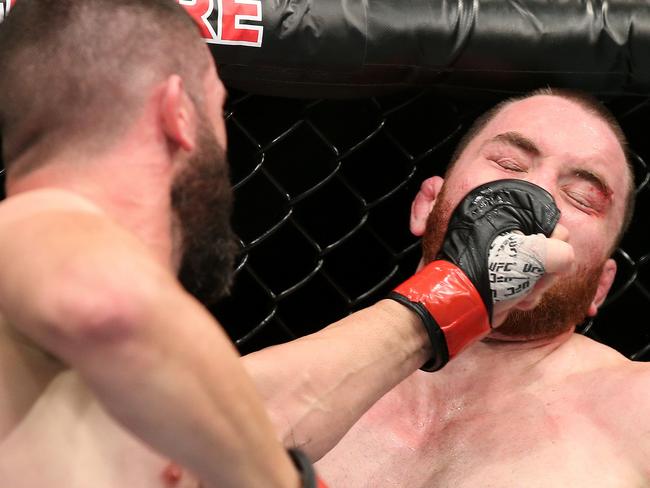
x: 554, y: 122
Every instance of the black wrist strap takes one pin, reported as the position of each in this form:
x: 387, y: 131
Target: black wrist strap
x: 440, y: 355
x: 304, y: 467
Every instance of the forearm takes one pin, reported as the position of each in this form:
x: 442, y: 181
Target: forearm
x: 317, y: 387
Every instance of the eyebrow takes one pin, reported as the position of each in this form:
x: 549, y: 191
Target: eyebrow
x: 517, y: 140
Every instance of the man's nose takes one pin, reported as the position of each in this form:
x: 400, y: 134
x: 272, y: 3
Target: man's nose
x: 546, y: 176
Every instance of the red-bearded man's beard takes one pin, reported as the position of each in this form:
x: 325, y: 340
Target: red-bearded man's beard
x: 561, y: 308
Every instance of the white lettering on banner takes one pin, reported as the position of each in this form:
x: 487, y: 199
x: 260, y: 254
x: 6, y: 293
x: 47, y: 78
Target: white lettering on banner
x: 230, y: 15
x: 4, y: 9
x: 200, y: 11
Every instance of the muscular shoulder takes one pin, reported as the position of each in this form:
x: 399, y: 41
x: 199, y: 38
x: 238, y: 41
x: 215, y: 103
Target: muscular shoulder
x: 615, y: 395
x: 628, y: 388
x: 47, y: 223
x: 50, y: 200
x: 579, y: 357
x: 63, y: 257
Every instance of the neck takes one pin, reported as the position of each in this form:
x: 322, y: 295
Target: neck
x: 505, y: 354
x: 487, y: 368
x: 134, y: 195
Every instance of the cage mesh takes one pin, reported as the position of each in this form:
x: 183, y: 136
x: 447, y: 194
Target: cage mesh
x: 322, y: 198
x: 323, y: 192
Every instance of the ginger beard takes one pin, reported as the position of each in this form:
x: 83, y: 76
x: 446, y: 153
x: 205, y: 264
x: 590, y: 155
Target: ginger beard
x: 201, y: 199
x: 562, y: 307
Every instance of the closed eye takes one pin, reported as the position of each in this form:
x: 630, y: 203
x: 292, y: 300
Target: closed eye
x: 587, y: 192
x: 585, y: 197
x: 579, y: 201
x: 509, y: 164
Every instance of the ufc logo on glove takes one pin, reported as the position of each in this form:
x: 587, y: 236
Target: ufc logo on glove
x: 220, y: 21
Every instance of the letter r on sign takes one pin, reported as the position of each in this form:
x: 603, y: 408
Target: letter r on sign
x: 200, y: 11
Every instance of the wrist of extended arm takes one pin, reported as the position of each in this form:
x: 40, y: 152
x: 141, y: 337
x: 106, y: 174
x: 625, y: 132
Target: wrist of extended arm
x: 304, y: 466
x: 450, y: 307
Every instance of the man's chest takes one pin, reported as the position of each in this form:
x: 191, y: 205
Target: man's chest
x: 526, y: 443
x: 67, y: 440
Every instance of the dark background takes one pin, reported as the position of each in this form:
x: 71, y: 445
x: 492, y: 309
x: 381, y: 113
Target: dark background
x: 323, y: 191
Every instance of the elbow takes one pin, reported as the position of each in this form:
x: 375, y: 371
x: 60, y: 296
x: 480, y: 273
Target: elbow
x: 83, y: 313
x: 98, y: 316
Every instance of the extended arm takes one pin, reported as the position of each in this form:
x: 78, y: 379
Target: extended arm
x: 318, y: 386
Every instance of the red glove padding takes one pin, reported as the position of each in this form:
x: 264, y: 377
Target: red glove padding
x: 320, y: 483
x: 450, y: 307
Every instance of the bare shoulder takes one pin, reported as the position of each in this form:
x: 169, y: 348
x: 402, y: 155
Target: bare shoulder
x: 615, y: 393
x: 600, y: 354
x: 608, y: 371
x: 31, y: 203
x: 51, y: 220
x: 626, y: 409
x: 64, y: 258
x: 630, y: 383
x: 15, y: 211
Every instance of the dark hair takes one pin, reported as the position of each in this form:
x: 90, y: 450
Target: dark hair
x: 588, y: 102
x: 77, y: 71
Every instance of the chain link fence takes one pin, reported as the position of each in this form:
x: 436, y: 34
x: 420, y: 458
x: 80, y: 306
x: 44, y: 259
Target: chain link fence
x: 323, y: 191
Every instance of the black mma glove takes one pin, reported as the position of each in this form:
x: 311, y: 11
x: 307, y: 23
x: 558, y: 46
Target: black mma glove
x: 452, y: 294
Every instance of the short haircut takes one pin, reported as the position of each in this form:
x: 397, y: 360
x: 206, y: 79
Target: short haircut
x: 78, y: 71
x: 590, y: 104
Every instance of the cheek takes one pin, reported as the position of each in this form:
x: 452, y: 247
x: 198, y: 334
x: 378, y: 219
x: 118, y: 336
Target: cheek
x: 467, y: 175
x: 220, y: 134
x: 586, y: 237
x: 219, y: 131
x: 458, y: 185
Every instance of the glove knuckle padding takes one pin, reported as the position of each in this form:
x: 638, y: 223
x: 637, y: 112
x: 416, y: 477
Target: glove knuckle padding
x: 487, y: 211
x: 452, y: 294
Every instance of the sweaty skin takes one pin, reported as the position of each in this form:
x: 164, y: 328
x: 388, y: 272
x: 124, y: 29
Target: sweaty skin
x: 36, y: 387
x: 569, y: 414
x: 557, y: 411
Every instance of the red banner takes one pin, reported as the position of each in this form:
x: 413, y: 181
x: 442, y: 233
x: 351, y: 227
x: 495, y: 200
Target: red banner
x: 221, y: 21
x: 232, y: 22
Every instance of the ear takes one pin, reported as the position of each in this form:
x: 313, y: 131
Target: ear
x: 604, y: 284
x: 423, y: 204
x: 177, y: 114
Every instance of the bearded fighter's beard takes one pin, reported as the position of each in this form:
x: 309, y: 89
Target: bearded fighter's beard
x: 562, y: 307
x: 202, y: 202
